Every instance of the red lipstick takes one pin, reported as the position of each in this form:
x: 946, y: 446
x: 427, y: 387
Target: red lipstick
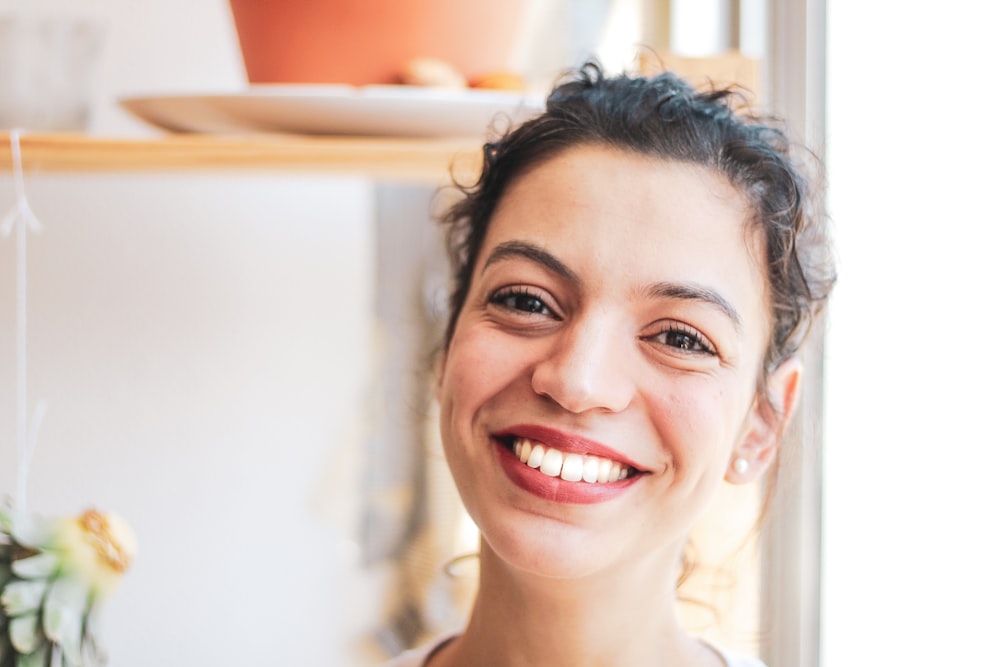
x: 556, y: 489
x: 565, y: 442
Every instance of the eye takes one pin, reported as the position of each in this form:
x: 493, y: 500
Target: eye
x: 684, y: 338
x: 522, y: 300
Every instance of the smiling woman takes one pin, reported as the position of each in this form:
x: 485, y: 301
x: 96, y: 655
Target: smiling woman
x: 635, y: 271
x: 663, y: 383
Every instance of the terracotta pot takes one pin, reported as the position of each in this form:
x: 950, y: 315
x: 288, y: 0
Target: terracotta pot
x: 371, y: 41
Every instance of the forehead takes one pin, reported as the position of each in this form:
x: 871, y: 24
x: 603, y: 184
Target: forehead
x: 628, y: 199
x: 637, y: 180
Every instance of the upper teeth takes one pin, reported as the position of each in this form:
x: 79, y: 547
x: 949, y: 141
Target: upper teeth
x: 570, y: 467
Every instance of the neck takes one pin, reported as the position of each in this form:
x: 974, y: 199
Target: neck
x: 611, y: 619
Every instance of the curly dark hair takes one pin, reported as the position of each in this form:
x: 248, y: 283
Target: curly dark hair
x: 664, y: 116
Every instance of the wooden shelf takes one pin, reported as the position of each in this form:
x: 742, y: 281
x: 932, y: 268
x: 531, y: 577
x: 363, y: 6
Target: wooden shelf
x: 397, y: 159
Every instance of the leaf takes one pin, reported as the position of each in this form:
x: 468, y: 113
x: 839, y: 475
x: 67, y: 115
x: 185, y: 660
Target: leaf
x: 41, y: 566
x: 63, y: 617
x: 30, y: 531
x: 37, y: 659
x: 25, y: 633
x: 21, y: 597
x: 94, y: 654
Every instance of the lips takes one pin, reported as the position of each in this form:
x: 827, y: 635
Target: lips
x: 562, y: 467
x: 568, y: 466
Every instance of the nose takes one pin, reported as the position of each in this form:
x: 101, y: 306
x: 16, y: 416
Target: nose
x: 586, y: 368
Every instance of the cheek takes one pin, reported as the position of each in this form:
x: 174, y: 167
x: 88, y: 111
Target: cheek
x: 481, y: 360
x: 699, y: 423
x: 476, y: 369
x: 465, y: 371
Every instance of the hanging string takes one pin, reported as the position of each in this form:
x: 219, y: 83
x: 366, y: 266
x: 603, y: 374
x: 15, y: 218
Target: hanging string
x: 20, y: 220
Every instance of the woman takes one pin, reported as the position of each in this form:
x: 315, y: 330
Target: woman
x: 635, y: 272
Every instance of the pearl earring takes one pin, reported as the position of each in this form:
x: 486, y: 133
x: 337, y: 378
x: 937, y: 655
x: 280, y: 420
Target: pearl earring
x: 740, y: 465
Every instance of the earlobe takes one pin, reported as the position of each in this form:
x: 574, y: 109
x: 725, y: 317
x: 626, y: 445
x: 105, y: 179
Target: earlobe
x: 766, y: 424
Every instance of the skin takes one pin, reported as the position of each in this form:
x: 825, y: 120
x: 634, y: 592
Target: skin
x: 619, y: 299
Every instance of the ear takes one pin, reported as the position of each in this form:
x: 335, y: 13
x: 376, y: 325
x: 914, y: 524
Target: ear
x: 766, y: 423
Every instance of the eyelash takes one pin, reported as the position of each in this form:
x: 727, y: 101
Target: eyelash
x: 508, y: 298
x: 694, y: 342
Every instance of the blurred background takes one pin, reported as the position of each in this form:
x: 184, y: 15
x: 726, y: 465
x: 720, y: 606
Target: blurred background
x: 236, y: 361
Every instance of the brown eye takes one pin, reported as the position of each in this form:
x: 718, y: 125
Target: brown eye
x: 685, y: 339
x: 522, y: 301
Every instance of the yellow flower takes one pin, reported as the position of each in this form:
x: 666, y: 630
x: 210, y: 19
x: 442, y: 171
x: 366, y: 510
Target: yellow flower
x: 97, y: 548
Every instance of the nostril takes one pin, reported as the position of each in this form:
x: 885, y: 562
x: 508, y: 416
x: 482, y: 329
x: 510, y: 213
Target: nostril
x: 547, y: 396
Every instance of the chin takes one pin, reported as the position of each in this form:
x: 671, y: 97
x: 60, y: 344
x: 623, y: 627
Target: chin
x: 548, y: 549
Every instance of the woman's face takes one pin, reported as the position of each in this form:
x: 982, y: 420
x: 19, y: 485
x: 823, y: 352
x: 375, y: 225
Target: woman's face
x: 615, y: 321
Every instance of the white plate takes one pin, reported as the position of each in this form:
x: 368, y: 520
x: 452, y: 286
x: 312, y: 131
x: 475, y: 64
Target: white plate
x: 401, y: 111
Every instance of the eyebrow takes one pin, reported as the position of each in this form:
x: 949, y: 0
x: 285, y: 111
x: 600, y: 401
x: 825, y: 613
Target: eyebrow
x: 689, y: 292
x: 532, y: 253
x: 662, y: 290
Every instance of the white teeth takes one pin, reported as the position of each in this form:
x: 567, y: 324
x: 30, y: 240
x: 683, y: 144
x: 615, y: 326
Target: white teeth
x: 569, y: 467
x: 552, y: 463
x: 572, y: 468
x: 535, y: 458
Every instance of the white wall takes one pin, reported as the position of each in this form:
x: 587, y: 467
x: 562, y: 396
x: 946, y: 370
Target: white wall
x: 203, y: 344
x: 204, y: 349
x: 912, y: 447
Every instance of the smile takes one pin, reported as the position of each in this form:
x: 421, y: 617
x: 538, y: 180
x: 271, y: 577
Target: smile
x: 562, y: 467
x: 568, y: 466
